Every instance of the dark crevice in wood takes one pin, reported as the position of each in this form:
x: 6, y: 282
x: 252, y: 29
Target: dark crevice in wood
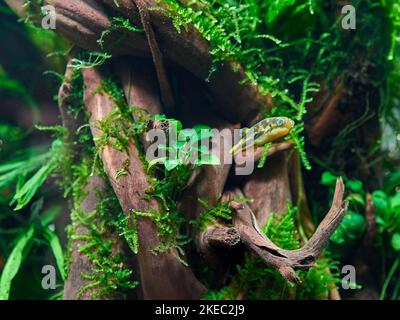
x: 165, y: 88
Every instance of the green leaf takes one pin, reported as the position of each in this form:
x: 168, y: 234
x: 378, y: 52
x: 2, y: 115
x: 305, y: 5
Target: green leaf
x: 19, y: 251
x: 13, y: 263
x: 396, y: 241
x: 351, y: 228
x: 354, y: 225
x: 358, y: 198
x: 171, y: 164
x: 201, y: 127
x: 338, y: 236
x: 354, y: 185
x: 380, y: 222
x: 328, y: 179
x: 12, y: 170
x: 392, y: 181
x: 395, y: 202
x: 156, y: 161
x: 56, y: 248
x: 24, y: 195
x: 278, y: 7
x: 160, y: 117
x: 381, y: 202
x: 10, y: 133
x: 12, y: 86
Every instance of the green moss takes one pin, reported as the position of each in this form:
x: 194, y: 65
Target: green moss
x: 117, y: 24
x: 283, y: 64
x: 117, y: 130
x: 110, y: 275
x: 221, y: 212
x: 167, y: 188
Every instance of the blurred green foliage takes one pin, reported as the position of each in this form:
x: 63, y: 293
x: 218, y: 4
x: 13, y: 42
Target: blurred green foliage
x: 386, y: 206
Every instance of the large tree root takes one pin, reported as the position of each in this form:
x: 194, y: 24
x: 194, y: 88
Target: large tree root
x: 131, y: 192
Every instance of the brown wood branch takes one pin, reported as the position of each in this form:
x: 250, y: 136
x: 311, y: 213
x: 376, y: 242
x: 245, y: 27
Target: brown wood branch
x: 83, y: 21
x: 370, y: 217
x: 69, y: 123
x: 159, y: 273
x: 287, y: 261
x: 221, y: 237
x: 216, y: 244
x: 306, y: 227
x: 64, y: 101
x: 165, y: 88
x: 187, y: 48
x: 80, y: 262
x: 139, y: 82
x: 188, y: 45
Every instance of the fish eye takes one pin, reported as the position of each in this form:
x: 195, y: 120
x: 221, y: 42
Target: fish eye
x: 279, y: 122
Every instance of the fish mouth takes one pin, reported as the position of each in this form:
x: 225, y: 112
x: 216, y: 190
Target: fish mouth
x: 289, y: 124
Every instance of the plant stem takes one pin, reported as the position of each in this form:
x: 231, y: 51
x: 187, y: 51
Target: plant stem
x: 389, y: 277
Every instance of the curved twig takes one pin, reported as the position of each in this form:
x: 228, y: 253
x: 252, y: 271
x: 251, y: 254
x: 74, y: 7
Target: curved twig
x: 286, y: 261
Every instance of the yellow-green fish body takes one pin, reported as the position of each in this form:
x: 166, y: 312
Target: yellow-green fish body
x: 263, y: 132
